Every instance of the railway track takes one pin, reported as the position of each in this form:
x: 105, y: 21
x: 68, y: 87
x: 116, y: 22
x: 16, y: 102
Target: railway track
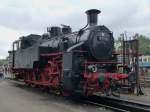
x: 118, y: 105
x: 112, y: 103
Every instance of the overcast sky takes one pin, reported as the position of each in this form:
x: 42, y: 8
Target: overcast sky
x: 22, y: 17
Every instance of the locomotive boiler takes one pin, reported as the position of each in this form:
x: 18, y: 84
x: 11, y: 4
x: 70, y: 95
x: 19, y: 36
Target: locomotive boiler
x: 82, y: 62
x: 97, y: 40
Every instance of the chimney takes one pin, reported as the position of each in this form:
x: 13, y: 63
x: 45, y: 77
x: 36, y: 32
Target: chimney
x: 92, y: 16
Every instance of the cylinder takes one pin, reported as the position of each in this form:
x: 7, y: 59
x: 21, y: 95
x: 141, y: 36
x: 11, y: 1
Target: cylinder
x: 92, y: 16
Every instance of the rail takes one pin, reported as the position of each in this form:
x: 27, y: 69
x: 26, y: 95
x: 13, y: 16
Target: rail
x: 118, y: 104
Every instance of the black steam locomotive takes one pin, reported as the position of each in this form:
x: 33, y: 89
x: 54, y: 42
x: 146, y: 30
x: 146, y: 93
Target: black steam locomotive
x: 69, y: 62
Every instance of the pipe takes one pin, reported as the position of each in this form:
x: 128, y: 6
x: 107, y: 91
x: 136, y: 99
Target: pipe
x: 74, y: 46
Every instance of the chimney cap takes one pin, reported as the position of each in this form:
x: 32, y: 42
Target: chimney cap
x: 93, y: 11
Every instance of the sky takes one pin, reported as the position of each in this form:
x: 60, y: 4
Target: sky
x: 22, y: 17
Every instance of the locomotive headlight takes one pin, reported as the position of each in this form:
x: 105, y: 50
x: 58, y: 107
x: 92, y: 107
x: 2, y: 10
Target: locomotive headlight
x: 92, y: 68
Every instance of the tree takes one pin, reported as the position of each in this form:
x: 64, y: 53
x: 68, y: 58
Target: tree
x: 144, y: 45
x: 2, y: 61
